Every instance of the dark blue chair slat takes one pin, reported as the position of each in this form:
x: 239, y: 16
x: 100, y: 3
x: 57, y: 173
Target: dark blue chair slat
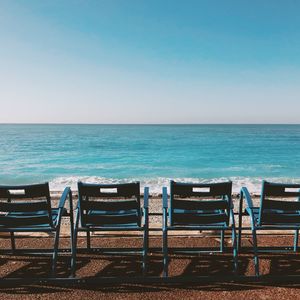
x: 23, y: 206
x: 280, y: 190
x: 279, y: 218
x: 30, y: 191
x: 186, y: 218
x: 199, y: 204
x: 13, y: 216
x: 109, y: 205
x: 281, y: 205
x: 99, y: 219
x: 18, y: 220
x: 187, y: 190
x: 98, y: 190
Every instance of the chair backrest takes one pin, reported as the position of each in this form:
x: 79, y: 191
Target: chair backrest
x: 25, y: 206
x: 200, y: 204
x: 277, y: 205
x: 109, y: 204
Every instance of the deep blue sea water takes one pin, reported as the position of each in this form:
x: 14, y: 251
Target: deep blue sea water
x: 153, y: 154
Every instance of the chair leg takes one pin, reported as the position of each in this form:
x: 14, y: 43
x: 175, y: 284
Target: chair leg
x: 296, y: 238
x: 235, y: 252
x: 145, y: 250
x: 74, y: 252
x: 13, y: 242
x: 239, y: 241
x: 222, y: 241
x: 74, y: 245
x: 71, y: 228
x: 55, y: 252
x: 72, y: 240
x: 165, y: 253
x: 88, y: 240
x: 256, y: 262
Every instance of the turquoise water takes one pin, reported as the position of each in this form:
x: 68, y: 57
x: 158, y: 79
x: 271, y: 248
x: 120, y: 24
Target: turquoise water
x: 153, y: 154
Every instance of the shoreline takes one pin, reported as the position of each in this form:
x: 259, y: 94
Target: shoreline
x: 156, y: 184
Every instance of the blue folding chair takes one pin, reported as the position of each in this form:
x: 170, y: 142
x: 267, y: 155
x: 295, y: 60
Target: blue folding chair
x: 111, y: 207
x: 196, y: 206
x: 27, y: 208
x: 274, y: 213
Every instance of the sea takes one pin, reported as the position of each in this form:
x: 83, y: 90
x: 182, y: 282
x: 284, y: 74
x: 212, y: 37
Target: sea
x: 151, y: 154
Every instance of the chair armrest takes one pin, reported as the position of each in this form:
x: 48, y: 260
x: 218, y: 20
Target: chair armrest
x: 146, y: 207
x: 165, y: 208
x: 64, y: 197
x: 146, y: 197
x: 165, y: 197
x: 231, y: 208
x: 245, y: 193
x: 67, y: 193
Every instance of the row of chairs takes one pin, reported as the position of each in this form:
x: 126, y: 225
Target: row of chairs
x: 117, y: 207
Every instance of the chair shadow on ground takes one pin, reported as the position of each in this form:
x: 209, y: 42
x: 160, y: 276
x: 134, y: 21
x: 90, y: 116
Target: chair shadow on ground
x: 37, y: 267
x: 214, y: 265
x: 285, y: 264
x: 99, y: 266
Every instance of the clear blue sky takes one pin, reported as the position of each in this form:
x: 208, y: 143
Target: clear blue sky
x: 150, y: 61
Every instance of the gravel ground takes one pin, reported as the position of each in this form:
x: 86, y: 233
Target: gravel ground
x: 91, y: 264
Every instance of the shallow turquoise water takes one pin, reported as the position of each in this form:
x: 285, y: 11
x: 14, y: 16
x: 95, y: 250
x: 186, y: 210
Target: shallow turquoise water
x: 151, y: 153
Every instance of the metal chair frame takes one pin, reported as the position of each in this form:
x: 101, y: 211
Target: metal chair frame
x: 27, y: 216
x: 217, y: 189
x: 86, y: 190
x: 269, y: 216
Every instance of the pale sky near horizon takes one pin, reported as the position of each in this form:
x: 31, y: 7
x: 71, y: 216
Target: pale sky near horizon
x: 152, y: 61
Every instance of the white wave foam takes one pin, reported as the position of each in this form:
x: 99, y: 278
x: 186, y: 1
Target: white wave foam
x: 156, y: 184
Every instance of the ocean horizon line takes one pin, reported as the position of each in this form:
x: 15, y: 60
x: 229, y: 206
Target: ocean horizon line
x: 158, y: 124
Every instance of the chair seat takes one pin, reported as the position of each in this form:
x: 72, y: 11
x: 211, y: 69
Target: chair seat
x: 214, y: 226
x: 19, y: 215
x: 113, y: 219
x: 128, y: 212
x: 255, y: 211
x: 199, y: 218
x: 53, y: 210
x: 198, y: 211
x: 115, y: 227
x: 275, y: 217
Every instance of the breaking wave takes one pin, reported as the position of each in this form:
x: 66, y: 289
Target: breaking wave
x: 155, y: 184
